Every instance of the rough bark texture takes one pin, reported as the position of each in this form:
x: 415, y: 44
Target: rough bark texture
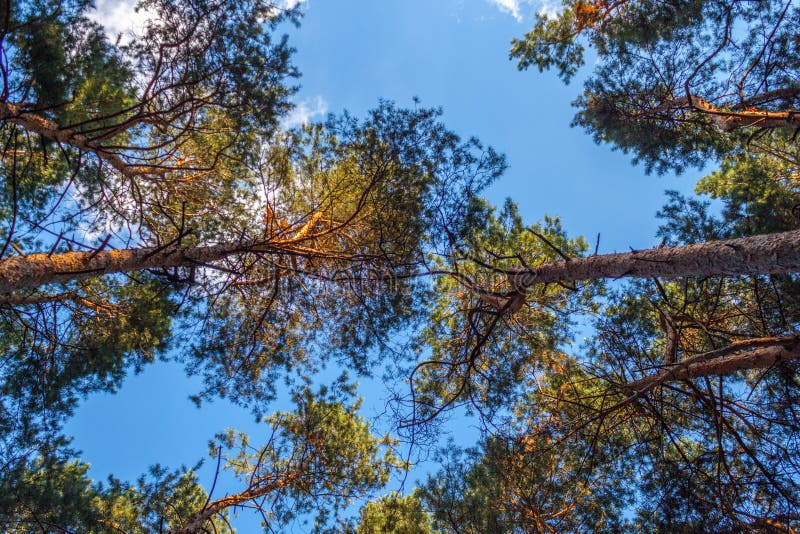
x: 750, y: 354
x: 764, y: 254
x: 34, y: 123
x: 34, y: 270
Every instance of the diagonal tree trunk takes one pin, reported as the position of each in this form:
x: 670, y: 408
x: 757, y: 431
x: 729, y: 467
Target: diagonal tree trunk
x: 46, y: 128
x: 761, y: 353
x: 34, y: 270
x: 728, y: 121
x: 762, y: 254
x: 199, y: 521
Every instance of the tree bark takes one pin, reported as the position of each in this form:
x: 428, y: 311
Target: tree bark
x: 198, y: 520
x: 46, y: 128
x: 759, y: 353
x: 34, y: 270
x: 728, y: 121
x: 763, y: 254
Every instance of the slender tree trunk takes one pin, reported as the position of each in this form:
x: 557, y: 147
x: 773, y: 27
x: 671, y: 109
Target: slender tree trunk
x: 760, y: 353
x: 728, y: 121
x: 34, y: 123
x: 198, y: 521
x: 763, y: 254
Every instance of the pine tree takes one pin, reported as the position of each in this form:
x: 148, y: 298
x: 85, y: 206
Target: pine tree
x: 680, y: 82
x: 278, y: 250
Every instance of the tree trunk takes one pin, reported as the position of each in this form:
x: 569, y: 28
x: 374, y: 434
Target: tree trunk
x: 728, y: 121
x: 760, y: 353
x: 34, y: 123
x: 34, y: 270
x: 763, y: 254
x: 198, y: 522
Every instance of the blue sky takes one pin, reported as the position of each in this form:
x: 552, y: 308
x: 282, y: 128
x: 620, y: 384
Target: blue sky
x: 448, y: 53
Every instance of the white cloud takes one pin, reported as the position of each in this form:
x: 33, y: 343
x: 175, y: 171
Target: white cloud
x: 509, y: 6
x: 548, y: 8
x: 305, y: 110
x: 119, y: 17
x: 283, y: 4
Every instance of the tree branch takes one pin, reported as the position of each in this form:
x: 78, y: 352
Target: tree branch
x: 727, y: 121
x: 760, y: 353
x: 46, y: 128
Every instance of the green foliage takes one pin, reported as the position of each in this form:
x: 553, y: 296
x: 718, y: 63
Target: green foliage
x: 54, y: 495
x: 478, y: 355
x: 760, y: 192
x: 711, y: 453
x: 318, y: 458
x: 652, y: 57
x: 575, y: 452
x: 173, y: 138
x: 531, y: 482
x: 56, y: 353
x: 393, y: 514
x: 699, y: 465
x: 550, y: 44
x: 397, y: 184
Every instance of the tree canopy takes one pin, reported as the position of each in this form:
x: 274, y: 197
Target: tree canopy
x: 226, y: 241
x: 153, y: 206
x: 677, y: 414
x: 677, y: 82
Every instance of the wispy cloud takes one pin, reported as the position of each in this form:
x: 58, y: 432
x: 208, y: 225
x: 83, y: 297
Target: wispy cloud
x: 284, y: 4
x: 515, y: 8
x: 120, y: 18
x: 305, y: 110
x: 509, y: 6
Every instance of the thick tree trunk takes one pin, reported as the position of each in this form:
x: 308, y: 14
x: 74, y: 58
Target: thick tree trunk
x: 34, y: 270
x: 763, y: 254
